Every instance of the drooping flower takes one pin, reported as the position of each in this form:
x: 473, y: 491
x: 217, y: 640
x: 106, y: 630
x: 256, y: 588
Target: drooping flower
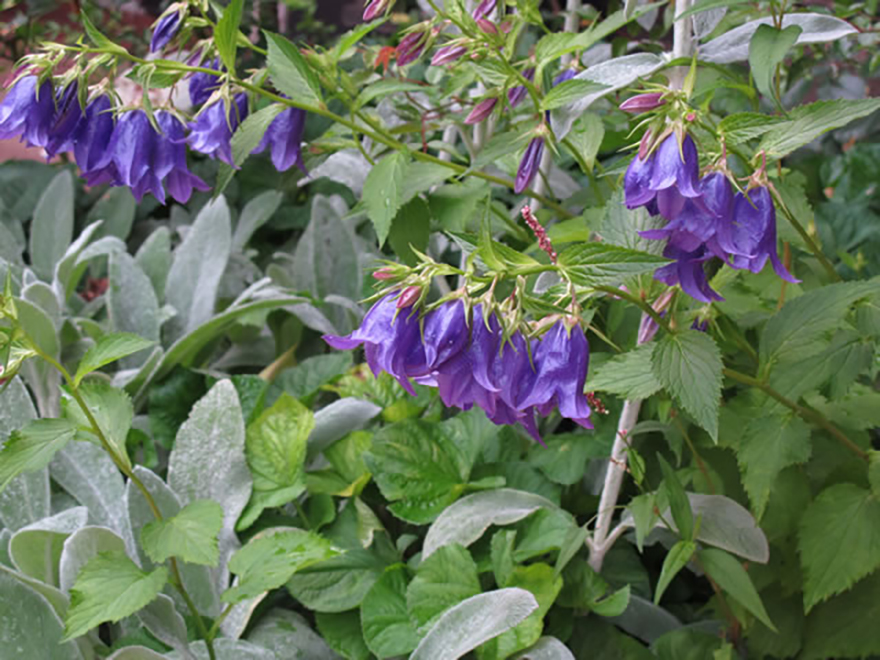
x: 211, y: 132
x: 91, y: 138
x: 28, y: 112
x: 64, y: 122
x: 481, y: 111
x: 669, y: 165
x: 695, y: 220
x: 170, y: 159
x: 529, y: 165
x: 132, y: 147
x: 202, y: 85
x: 515, y: 95
x: 750, y: 237
x: 283, y: 138
x: 447, y: 54
x: 687, y: 271
x: 166, y: 27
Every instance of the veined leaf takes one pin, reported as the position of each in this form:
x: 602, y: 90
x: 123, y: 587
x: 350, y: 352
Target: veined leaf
x: 729, y: 574
x: 677, y: 558
x: 443, y: 580
x: 601, y: 263
x: 627, y: 375
x: 32, y: 448
x: 387, y: 627
x: 191, y: 535
x: 109, y: 348
x: 383, y: 192
x: 290, y: 72
x: 226, y: 33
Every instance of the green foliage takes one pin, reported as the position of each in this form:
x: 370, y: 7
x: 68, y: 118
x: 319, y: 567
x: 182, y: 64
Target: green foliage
x: 109, y: 348
x: 444, y: 579
x: 383, y: 194
x: 191, y: 535
x: 388, y: 630
x: 32, y: 447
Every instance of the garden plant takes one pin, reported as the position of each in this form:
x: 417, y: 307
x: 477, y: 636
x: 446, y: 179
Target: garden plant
x: 498, y: 329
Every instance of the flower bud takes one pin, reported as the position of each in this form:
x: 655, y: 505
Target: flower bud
x: 166, y: 27
x: 485, y: 8
x: 447, y: 54
x: 385, y: 273
x: 529, y: 164
x: 642, y: 103
x: 487, y: 26
x: 481, y: 111
x: 515, y: 95
x: 375, y: 8
x: 409, y: 296
x: 410, y: 47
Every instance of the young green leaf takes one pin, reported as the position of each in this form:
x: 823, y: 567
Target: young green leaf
x: 109, y: 348
x: 276, y: 451
x: 246, y: 138
x: 839, y: 541
x: 613, y: 605
x: 679, y: 555
x: 767, y: 49
x: 688, y: 364
x: 191, y: 535
x: 627, y: 375
x: 290, y: 72
x: 444, y: 579
x: 33, y: 447
x: 383, y: 192
x: 678, y: 501
x: 226, y: 33
x: 110, y: 587
x: 269, y: 561
x: 729, y: 574
x: 111, y: 408
x: 588, y: 264
x: 388, y: 629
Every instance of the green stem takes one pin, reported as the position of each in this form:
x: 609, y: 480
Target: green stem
x: 215, y: 628
x: 807, y: 414
x: 641, y: 304
x: 811, y: 244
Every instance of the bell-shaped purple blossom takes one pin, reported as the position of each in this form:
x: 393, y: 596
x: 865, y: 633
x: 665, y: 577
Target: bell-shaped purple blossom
x: 485, y: 8
x: 516, y: 95
x: 669, y: 165
x: 695, y: 220
x: 529, y: 165
x: 92, y: 136
x: 750, y: 237
x: 132, y: 147
x: 202, y: 85
x: 687, y: 271
x: 391, y: 340
x: 481, y: 111
x: 410, y: 47
x: 28, y: 112
x: 375, y: 8
x: 169, y: 160
x: 283, y: 138
x: 66, y: 118
x: 211, y: 132
x: 447, y: 54
x: 166, y: 27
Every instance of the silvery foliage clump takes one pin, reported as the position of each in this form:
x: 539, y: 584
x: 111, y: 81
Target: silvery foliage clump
x: 187, y: 471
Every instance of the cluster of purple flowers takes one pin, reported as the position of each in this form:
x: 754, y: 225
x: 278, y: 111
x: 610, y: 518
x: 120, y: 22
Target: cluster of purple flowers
x: 470, y: 364
x: 127, y: 149
x: 706, y: 219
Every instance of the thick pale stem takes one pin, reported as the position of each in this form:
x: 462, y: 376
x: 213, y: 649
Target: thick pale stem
x: 682, y: 44
x: 613, y: 482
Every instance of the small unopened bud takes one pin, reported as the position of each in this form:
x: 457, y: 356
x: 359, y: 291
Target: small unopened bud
x: 642, y: 103
x: 410, y: 47
x: 487, y: 26
x: 409, y: 296
x: 481, y: 111
x: 515, y: 95
x: 485, y: 8
x: 506, y: 26
x: 376, y: 7
x: 645, y: 144
x: 386, y: 273
x: 447, y: 54
x: 528, y: 166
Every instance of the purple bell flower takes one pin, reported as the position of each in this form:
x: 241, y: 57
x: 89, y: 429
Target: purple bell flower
x: 91, y: 139
x: 751, y: 236
x: 528, y: 166
x: 515, y: 95
x: 169, y: 164
x: 695, y: 220
x: 26, y: 113
x: 561, y: 359
x: 202, y: 85
x: 132, y: 147
x: 446, y: 334
x: 283, y: 138
x: 687, y: 271
x: 666, y: 167
x: 211, y: 132
x: 392, y: 341
x: 65, y: 121
x: 166, y: 27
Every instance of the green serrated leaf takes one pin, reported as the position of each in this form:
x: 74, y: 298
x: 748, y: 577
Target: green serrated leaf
x: 839, y: 541
x: 383, y: 88
x: 443, y: 580
x: 226, y: 33
x: 268, y: 562
x: 845, y: 626
x: 276, y: 451
x: 109, y: 348
x: 110, y: 587
x: 590, y: 264
x: 290, y: 72
x: 388, y: 630
x: 679, y: 555
x: 767, y: 49
x: 111, y: 408
x: 744, y: 126
x: 351, y: 38
x: 627, y: 375
x: 729, y: 574
x: 688, y: 364
x: 383, y: 193
x: 31, y: 448
x: 191, y: 535
x: 810, y: 121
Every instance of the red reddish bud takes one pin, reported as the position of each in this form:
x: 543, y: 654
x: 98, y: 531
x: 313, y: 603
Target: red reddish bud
x: 409, y: 296
x: 642, y: 103
x: 386, y: 273
x: 487, y: 26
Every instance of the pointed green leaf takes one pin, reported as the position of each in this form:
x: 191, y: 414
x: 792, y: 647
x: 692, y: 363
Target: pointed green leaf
x: 191, y: 535
x: 679, y: 555
x: 679, y: 503
x: 594, y: 263
x: 767, y: 49
x: 383, y: 192
x: 110, y: 587
x: 444, y: 579
x: 226, y: 33
x: 33, y: 447
x: 290, y: 72
x: 729, y: 574
x: 627, y: 375
x: 388, y: 630
x: 109, y: 348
